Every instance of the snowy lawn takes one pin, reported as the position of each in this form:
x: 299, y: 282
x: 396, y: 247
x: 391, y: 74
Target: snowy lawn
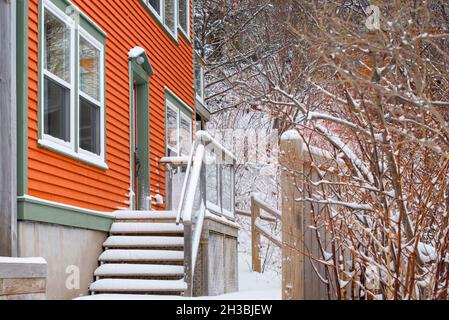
x: 252, y: 286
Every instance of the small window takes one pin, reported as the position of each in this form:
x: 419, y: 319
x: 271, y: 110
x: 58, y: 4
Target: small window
x: 56, y: 110
x: 185, y: 134
x: 156, y: 5
x: 57, y: 77
x: 178, y: 130
x: 170, y: 15
x: 172, y: 130
x: 199, y: 80
x: 72, y: 115
x: 184, y: 16
x: 166, y: 12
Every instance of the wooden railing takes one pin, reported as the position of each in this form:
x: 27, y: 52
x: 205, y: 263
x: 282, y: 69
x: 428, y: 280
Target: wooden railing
x: 260, y: 210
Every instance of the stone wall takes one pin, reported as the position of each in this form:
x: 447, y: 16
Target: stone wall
x: 23, y: 278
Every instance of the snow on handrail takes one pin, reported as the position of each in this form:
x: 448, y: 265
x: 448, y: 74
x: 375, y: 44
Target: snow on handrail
x: 205, y: 136
x: 175, y: 160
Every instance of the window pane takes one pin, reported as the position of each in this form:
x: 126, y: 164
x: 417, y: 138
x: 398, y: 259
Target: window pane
x: 211, y: 177
x: 89, y: 69
x: 57, y: 47
x: 227, y: 187
x: 156, y: 4
x: 183, y: 14
x: 198, y: 80
x: 172, y: 128
x: 185, y: 136
x: 89, y: 127
x: 169, y: 17
x: 56, y: 110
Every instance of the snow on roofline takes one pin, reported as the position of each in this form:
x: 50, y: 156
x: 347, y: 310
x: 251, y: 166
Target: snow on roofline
x: 135, y: 52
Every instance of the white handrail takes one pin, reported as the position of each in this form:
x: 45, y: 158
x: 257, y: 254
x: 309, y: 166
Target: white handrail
x: 194, y: 175
x: 184, y: 185
x: 193, y: 184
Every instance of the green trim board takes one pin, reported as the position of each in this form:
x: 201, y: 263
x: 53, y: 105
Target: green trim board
x: 37, y: 210
x: 177, y: 101
x: 22, y: 97
x: 140, y: 72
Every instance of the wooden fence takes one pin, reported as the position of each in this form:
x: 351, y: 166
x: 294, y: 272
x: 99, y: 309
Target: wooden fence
x: 305, y: 247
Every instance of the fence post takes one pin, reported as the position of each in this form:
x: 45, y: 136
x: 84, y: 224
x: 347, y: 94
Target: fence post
x: 291, y: 160
x: 255, y: 236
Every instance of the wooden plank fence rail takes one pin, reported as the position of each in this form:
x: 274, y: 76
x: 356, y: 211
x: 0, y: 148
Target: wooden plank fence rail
x: 256, y: 214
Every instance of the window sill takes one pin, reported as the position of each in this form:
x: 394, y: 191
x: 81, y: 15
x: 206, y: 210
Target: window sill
x: 184, y: 35
x: 93, y: 161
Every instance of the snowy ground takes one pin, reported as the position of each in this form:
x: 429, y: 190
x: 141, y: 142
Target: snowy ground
x: 252, y: 285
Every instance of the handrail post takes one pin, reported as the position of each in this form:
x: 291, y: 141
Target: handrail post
x: 188, y: 272
x: 292, y: 217
x: 255, y: 236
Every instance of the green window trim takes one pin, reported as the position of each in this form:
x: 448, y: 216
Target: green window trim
x: 140, y: 71
x: 22, y: 97
x: 80, y: 26
x: 169, y: 94
x: 39, y: 210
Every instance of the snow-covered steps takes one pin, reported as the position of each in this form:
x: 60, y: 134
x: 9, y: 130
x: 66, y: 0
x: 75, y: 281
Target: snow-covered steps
x: 144, y: 254
x: 146, y: 228
x: 138, y: 286
x: 146, y: 215
x: 143, y: 242
x: 138, y: 270
x: 130, y: 255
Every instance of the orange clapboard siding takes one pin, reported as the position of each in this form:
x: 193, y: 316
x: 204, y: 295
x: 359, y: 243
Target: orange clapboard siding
x: 55, y: 177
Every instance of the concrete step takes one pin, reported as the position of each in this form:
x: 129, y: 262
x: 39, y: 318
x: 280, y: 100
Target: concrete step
x: 137, y: 286
x: 145, y: 215
x: 146, y: 228
x: 131, y: 255
x: 138, y: 270
x: 143, y: 242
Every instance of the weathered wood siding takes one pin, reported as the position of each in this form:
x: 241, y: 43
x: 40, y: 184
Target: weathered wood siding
x: 127, y: 24
x: 8, y: 225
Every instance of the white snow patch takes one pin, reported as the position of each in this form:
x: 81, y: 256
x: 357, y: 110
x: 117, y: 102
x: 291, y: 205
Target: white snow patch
x: 135, y: 52
x: 22, y: 260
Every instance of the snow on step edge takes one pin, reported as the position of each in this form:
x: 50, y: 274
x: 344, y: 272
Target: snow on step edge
x: 137, y: 215
x: 141, y: 255
x: 143, y: 241
x: 130, y: 227
x: 123, y: 269
x: 131, y: 285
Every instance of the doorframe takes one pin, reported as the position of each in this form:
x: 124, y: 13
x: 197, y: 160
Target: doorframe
x: 140, y: 71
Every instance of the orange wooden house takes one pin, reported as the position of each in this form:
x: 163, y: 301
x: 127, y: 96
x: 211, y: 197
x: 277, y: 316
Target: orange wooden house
x: 105, y: 91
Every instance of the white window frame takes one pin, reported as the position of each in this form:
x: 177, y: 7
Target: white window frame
x: 161, y: 16
x: 189, y: 120
x: 185, y: 32
x: 72, y: 148
x: 54, y: 142
x: 89, y: 156
x: 170, y: 105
